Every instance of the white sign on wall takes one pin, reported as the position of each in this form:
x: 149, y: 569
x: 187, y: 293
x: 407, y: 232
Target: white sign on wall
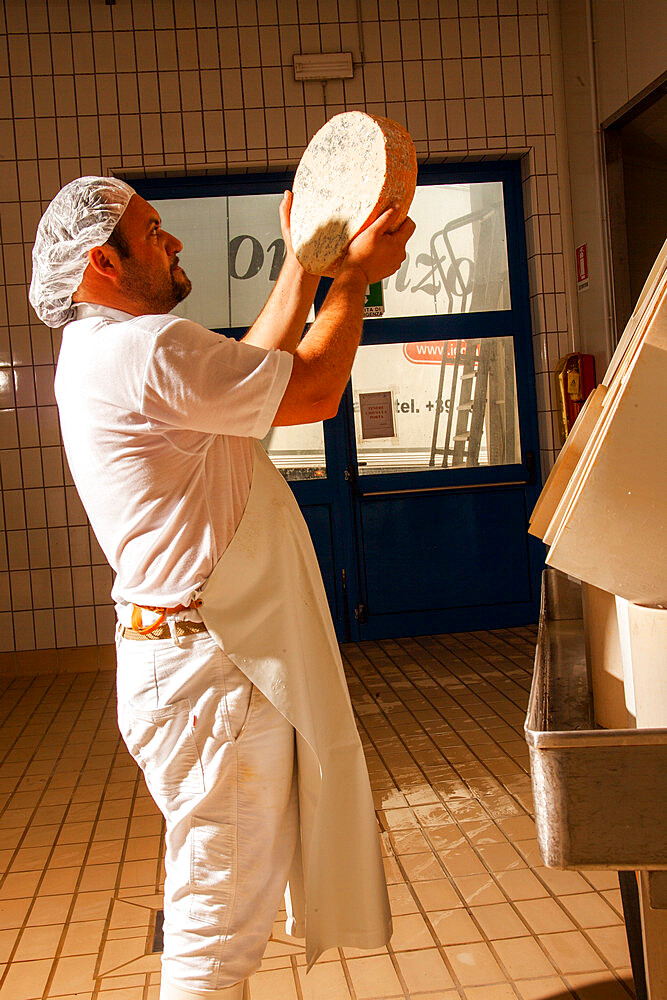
x: 377, y: 415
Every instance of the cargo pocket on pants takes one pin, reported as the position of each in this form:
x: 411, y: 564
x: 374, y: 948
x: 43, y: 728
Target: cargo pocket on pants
x: 213, y: 871
x: 163, y: 744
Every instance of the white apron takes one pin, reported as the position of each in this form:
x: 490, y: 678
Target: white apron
x: 265, y: 606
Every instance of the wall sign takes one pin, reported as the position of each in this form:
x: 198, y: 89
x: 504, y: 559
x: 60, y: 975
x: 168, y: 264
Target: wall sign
x: 233, y: 250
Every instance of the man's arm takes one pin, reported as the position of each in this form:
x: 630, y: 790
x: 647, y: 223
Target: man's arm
x: 282, y: 320
x: 323, y: 359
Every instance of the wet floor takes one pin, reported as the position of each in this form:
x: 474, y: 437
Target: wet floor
x: 476, y: 914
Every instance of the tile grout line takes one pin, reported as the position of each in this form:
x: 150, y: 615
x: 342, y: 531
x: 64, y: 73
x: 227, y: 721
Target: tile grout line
x: 43, y: 874
x: 116, y: 889
x: 461, y: 707
x: 556, y: 898
x: 23, y: 776
x: 511, y: 902
x: 424, y: 914
x: 494, y: 709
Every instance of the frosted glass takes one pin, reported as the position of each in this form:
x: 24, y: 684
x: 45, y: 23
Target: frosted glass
x: 457, y: 257
x: 297, y: 451
x: 450, y: 404
x: 232, y: 253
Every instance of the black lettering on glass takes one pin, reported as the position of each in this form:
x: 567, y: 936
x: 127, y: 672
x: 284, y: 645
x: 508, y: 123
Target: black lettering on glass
x: 256, y: 260
x: 278, y: 247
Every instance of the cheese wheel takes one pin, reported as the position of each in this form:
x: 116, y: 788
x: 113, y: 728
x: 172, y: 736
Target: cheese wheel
x: 353, y: 169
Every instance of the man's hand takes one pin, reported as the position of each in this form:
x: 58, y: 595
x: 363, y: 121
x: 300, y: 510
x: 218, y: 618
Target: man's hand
x: 285, y: 213
x: 377, y: 251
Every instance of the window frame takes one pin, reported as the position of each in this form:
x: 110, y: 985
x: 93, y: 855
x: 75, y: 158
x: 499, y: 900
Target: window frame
x: 514, y: 322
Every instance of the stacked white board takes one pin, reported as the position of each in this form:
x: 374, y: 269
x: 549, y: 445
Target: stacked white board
x: 603, y: 510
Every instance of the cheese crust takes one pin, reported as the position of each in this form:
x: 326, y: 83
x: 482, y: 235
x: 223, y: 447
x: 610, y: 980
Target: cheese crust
x: 354, y: 168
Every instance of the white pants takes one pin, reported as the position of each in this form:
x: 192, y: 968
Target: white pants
x: 218, y: 760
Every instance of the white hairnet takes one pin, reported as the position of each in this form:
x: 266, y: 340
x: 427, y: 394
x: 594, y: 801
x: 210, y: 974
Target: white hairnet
x: 81, y: 216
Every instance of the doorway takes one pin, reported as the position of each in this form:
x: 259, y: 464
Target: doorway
x: 635, y: 147
x: 417, y: 493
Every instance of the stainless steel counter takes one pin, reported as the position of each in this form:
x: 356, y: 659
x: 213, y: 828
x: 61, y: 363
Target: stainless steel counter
x: 600, y: 794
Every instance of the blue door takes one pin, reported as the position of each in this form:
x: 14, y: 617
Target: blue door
x: 417, y: 493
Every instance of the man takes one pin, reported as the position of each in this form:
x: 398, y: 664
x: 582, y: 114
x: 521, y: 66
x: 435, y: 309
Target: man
x: 226, y: 654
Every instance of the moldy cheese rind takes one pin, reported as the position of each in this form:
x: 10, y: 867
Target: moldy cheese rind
x: 353, y: 169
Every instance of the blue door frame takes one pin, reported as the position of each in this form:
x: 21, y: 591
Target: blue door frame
x: 433, y: 551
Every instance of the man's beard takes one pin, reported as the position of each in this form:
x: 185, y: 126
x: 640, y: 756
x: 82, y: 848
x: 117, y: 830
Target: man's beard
x: 180, y: 283
x: 157, y: 293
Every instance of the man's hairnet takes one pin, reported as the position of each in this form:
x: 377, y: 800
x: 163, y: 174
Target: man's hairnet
x: 81, y: 216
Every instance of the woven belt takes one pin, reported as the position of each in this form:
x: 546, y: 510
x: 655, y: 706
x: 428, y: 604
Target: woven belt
x: 164, y: 632
x: 137, y: 616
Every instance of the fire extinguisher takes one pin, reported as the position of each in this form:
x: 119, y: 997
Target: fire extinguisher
x: 575, y: 380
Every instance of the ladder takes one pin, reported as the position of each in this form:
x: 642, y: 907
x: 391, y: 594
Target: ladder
x: 483, y: 369
x: 458, y: 446
x: 483, y: 381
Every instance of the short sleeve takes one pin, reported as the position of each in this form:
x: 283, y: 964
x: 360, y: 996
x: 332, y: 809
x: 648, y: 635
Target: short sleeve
x: 198, y: 380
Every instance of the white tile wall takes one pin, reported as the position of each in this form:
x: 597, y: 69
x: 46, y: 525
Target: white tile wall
x: 90, y: 88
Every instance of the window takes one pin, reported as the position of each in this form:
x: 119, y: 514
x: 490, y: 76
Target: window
x: 435, y: 404
x: 434, y: 385
x: 457, y: 257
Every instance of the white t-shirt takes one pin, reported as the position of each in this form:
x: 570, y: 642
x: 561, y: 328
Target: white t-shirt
x: 158, y: 416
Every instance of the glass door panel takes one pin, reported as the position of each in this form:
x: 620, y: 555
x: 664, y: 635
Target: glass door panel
x: 435, y: 404
x: 297, y: 451
x: 232, y: 252
x: 457, y: 256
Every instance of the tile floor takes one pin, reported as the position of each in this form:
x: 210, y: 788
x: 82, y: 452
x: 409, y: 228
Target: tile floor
x: 476, y: 915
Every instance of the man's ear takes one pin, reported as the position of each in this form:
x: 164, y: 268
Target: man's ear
x: 102, y: 261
